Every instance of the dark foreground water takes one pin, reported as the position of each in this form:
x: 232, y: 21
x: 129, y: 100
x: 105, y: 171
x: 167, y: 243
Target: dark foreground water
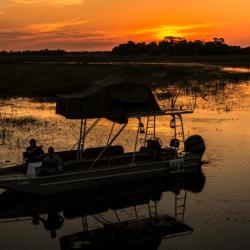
x: 217, y: 209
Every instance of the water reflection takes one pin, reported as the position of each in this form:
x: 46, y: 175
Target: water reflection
x: 237, y: 69
x: 132, y: 217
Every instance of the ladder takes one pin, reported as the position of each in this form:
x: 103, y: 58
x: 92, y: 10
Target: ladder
x: 180, y: 205
x: 150, y: 129
x: 177, y: 126
x: 153, y: 209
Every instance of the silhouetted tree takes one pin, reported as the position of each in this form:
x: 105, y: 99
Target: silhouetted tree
x: 171, y: 45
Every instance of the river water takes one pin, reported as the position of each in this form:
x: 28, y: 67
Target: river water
x: 219, y: 213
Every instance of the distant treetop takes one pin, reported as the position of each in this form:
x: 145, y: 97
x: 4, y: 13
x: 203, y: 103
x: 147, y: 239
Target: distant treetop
x: 171, y: 45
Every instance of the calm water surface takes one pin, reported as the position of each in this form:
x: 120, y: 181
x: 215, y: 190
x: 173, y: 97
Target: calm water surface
x: 219, y: 214
x: 237, y: 69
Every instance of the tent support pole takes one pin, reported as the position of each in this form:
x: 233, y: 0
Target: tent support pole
x: 79, y: 142
x: 117, y: 217
x: 83, y: 138
x: 149, y: 210
x: 108, y: 145
x: 136, y: 140
x: 110, y: 134
x: 136, y: 213
x: 87, y: 132
x: 156, y: 211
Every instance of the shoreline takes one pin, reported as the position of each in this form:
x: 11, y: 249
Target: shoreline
x: 233, y: 60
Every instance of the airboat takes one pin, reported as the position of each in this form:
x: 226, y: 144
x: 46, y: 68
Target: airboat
x: 119, y: 101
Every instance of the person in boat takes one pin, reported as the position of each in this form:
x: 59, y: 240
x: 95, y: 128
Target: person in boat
x: 33, y: 152
x: 51, y: 163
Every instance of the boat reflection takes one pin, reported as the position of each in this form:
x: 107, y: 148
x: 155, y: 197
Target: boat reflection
x: 134, y: 232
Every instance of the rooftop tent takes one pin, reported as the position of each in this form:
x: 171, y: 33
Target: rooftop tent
x: 112, y: 98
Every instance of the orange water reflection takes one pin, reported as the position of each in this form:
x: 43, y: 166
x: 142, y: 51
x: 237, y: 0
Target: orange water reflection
x: 237, y: 69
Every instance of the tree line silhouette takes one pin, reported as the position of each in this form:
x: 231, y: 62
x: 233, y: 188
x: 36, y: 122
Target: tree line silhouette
x: 168, y: 46
x: 178, y: 46
x: 38, y: 52
x: 57, y: 52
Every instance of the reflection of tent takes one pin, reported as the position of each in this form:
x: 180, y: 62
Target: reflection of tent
x: 112, y: 98
x: 143, y: 234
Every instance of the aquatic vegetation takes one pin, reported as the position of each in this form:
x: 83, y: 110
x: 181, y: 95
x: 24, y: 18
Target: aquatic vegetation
x: 19, y: 122
x: 43, y: 81
x: 4, y: 134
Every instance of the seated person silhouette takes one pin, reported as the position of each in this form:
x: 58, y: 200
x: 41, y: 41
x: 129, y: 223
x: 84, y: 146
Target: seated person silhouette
x: 53, y: 222
x: 33, y: 153
x: 51, y: 163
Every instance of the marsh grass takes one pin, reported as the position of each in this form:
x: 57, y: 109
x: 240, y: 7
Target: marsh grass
x: 19, y: 122
x: 10, y: 125
x: 43, y: 80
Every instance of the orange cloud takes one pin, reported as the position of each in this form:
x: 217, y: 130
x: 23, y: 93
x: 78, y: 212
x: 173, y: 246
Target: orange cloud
x: 49, y: 2
x: 49, y: 27
x: 69, y: 35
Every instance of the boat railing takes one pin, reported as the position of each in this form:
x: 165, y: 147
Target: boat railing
x: 170, y: 111
x: 128, y: 158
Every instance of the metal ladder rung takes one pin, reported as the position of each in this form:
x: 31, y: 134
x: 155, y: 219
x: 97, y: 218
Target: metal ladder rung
x: 180, y: 206
x: 179, y: 215
x: 150, y: 129
x: 179, y: 140
x: 179, y: 132
x: 181, y: 198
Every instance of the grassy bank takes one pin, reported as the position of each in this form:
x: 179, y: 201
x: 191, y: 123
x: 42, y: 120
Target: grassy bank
x: 48, y: 80
x: 222, y: 60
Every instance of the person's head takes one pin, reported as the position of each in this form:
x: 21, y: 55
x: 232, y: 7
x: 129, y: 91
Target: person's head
x: 51, y: 151
x: 32, y: 142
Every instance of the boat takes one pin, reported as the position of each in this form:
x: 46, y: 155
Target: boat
x: 119, y: 101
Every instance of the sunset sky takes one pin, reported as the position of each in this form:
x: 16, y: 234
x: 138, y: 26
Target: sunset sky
x: 101, y: 24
